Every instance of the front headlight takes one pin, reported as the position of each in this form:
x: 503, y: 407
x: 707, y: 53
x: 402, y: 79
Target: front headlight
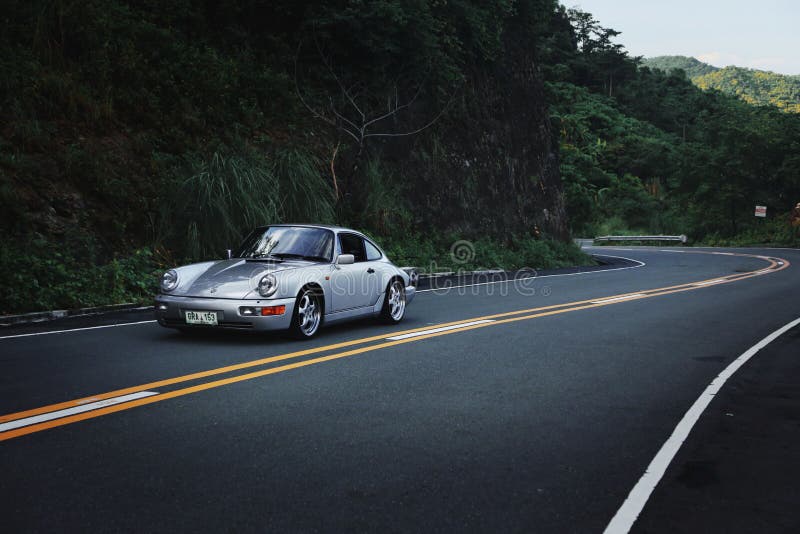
x: 268, y: 285
x: 169, y: 280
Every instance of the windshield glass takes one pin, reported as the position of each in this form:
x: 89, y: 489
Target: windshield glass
x: 284, y: 242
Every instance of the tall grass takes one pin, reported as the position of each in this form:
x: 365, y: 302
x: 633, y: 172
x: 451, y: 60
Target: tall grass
x: 385, y: 208
x: 306, y: 195
x: 230, y: 194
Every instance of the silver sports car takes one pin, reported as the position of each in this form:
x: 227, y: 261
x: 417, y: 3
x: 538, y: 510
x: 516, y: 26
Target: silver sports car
x: 287, y: 277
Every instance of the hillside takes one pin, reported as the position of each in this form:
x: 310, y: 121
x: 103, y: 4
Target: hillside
x: 136, y: 135
x: 755, y: 87
x: 144, y: 126
x: 691, y: 66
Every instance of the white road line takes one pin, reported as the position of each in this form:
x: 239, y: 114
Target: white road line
x: 709, y: 282
x: 41, y: 418
x: 627, y: 514
x: 511, y: 281
x: 76, y: 329
x: 442, y: 329
x: 625, y: 297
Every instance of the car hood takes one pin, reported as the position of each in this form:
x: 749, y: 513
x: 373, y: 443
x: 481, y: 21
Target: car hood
x: 229, y: 279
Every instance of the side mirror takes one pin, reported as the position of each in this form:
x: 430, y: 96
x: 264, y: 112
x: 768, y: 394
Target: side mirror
x: 345, y: 259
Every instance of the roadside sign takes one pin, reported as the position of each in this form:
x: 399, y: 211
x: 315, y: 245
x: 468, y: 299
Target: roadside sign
x: 761, y: 211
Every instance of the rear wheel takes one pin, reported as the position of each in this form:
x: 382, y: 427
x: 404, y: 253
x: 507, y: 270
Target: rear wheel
x: 307, y: 316
x: 394, y: 304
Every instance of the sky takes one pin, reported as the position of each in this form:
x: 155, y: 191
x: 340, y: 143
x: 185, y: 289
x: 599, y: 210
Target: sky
x: 763, y: 34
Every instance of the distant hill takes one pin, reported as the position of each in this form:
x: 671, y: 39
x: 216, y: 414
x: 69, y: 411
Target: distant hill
x: 691, y: 66
x: 755, y: 87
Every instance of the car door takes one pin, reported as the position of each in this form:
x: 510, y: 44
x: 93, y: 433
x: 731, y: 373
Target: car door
x: 382, y: 270
x: 355, y: 285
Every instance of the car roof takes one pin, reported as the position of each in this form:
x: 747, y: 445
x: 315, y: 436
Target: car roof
x: 322, y: 226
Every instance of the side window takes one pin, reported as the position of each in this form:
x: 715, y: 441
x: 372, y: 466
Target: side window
x: 372, y: 251
x: 352, y: 244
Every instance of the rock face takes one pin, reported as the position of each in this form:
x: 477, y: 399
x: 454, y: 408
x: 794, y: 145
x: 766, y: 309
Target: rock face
x: 493, y: 167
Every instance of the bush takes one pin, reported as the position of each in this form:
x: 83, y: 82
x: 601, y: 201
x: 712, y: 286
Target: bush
x: 42, y: 275
x: 775, y: 231
x: 453, y: 254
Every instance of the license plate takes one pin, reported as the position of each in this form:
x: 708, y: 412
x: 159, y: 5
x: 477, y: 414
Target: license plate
x: 201, y: 317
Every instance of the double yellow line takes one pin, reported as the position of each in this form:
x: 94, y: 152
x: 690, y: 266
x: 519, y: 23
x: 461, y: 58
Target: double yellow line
x: 776, y: 264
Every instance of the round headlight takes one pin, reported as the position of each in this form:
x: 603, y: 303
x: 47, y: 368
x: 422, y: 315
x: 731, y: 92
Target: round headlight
x: 169, y: 280
x: 268, y: 285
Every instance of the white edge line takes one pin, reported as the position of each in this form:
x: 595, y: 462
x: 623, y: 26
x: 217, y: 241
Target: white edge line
x: 627, y: 514
x: 615, y: 299
x: 58, y: 414
x: 77, y: 329
x: 441, y: 329
x: 641, y: 264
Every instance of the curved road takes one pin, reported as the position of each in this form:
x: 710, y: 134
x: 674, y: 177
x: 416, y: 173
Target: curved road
x: 536, y: 409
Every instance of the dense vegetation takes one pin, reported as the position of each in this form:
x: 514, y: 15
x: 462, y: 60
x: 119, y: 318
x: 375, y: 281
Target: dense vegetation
x: 172, y: 127
x: 756, y: 87
x: 693, y: 67
x: 137, y: 134
x: 646, y: 151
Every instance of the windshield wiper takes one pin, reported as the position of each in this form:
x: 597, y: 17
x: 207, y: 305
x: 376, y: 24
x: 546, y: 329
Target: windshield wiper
x: 266, y: 257
x: 301, y: 257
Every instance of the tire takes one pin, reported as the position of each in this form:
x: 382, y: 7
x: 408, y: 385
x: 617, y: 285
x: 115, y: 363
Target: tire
x: 308, y: 314
x: 394, y: 303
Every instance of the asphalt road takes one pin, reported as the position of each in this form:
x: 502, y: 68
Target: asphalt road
x: 539, y: 419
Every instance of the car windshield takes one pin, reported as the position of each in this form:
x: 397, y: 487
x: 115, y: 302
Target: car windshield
x: 283, y: 242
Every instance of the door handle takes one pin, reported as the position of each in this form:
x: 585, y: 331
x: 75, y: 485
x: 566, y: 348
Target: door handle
x: 370, y: 270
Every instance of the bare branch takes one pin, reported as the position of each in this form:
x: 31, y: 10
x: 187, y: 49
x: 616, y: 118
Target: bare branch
x: 355, y: 126
x: 338, y: 80
x: 359, y: 139
x: 404, y: 106
x: 333, y: 170
x: 396, y: 109
x: 418, y: 130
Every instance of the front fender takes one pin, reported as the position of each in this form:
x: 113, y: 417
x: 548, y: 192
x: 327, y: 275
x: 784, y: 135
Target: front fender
x: 290, y: 282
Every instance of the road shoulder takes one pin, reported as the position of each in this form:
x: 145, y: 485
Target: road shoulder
x: 739, y: 469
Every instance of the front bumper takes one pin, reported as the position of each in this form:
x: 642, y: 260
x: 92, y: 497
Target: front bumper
x: 171, y: 310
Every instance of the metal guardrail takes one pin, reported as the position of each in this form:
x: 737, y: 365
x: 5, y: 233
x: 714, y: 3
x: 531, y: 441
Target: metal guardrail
x: 681, y: 238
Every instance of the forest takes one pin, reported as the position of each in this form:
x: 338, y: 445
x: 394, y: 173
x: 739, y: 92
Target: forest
x: 140, y: 134
x: 756, y: 87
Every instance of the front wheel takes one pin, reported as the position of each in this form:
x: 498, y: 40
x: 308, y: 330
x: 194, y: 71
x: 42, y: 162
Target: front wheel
x: 394, y: 304
x: 307, y: 316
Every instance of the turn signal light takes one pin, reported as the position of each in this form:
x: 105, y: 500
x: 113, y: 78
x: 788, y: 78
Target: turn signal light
x: 273, y: 310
